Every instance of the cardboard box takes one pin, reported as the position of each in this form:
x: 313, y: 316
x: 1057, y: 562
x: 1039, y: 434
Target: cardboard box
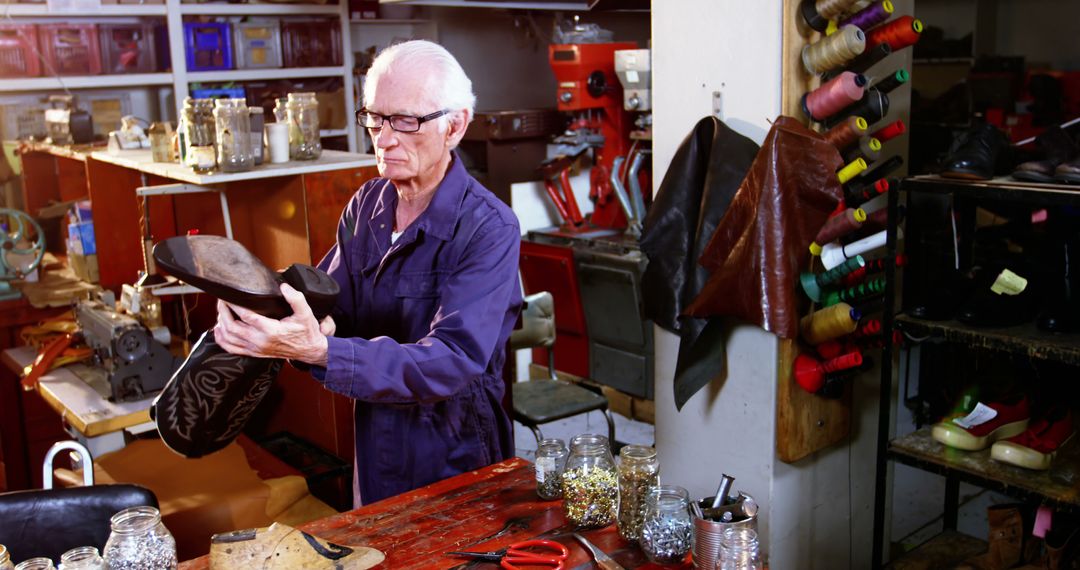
x: 85, y: 267
x: 332, y: 109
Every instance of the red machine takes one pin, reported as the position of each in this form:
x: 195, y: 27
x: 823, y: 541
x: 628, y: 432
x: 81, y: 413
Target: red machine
x: 590, y: 90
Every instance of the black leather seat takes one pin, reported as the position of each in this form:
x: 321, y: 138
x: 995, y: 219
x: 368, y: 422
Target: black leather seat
x: 52, y: 521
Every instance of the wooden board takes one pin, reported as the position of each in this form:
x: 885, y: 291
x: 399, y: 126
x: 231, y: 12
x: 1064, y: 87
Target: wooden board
x: 945, y: 550
x: 805, y: 423
x: 418, y: 528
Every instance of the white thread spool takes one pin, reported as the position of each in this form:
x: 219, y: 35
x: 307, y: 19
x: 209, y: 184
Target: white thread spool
x: 277, y: 140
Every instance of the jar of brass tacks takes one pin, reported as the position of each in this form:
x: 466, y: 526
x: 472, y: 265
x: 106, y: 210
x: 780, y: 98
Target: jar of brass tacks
x: 590, y: 483
x: 639, y: 473
x: 551, y: 457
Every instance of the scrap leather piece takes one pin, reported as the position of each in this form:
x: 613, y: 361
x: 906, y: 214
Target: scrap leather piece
x: 761, y: 244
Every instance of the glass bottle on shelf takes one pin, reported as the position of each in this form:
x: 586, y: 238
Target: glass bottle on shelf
x: 5, y: 559
x: 139, y: 541
x: 233, y: 129
x: 197, y: 144
x: 281, y: 113
x: 550, y: 462
x: 303, y: 117
x: 40, y: 563
x: 739, y: 550
x: 82, y: 558
x: 590, y: 483
x: 639, y: 474
x: 667, y: 531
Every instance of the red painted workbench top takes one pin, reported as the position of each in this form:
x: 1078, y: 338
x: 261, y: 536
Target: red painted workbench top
x: 416, y: 529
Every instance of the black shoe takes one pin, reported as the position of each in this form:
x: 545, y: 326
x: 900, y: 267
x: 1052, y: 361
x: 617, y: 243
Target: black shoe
x: 977, y: 154
x: 941, y: 301
x: 986, y: 308
x: 1057, y: 147
x: 225, y: 269
x: 1062, y: 311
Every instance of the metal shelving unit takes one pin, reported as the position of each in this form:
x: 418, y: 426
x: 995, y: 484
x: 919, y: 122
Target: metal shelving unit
x: 918, y: 449
x: 86, y: 81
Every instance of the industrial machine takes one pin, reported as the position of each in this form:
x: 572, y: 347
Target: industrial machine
x: 22, y: 247
x: 135, y: 357
x: 66, y: 123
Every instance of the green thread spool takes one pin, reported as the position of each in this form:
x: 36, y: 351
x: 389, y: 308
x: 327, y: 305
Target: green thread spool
x: 874, y: 286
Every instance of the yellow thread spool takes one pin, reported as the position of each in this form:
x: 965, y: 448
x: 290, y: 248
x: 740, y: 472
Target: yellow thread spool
x: 874, y: 144
x: 851, y: 170
x: 829, y: 323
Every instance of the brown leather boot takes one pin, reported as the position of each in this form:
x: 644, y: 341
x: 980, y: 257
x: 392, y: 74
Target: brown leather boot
x: 1011, y: 543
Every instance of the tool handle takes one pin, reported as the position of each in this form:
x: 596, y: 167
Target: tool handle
x: 553, y: 193
x: 571, y: 201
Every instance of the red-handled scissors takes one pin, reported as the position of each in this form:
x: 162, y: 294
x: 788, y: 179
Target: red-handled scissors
x: 517, y: 556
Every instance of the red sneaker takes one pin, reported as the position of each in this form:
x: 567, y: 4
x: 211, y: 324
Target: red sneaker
x: 984, y: 425
x: 1036, y: 447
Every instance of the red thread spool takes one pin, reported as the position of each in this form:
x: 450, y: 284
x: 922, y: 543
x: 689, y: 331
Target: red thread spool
x: 890, y: 131
x: 810, y: 373
x: 840, y: 225
x: 899, y: 33
x: 872, y: 266
x: 846, y: 133
x: 869, y: 328
x: 832, y: 97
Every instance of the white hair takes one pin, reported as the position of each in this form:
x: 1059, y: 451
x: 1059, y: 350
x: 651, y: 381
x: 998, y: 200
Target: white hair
x: 453, y: 88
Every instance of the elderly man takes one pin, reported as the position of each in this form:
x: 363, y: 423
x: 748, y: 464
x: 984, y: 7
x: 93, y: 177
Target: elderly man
x: 427, y: 260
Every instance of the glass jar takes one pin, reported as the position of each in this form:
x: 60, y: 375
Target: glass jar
x: 739, y: 550
x: 40, y: 563
x: 303, y: 117
x: 160, y: 134
x: 5, y: 559
x: 232, y: 123
x: 550, y: 462
x: 667, y: 531
x: 281, y: 114
x: 197, y: 136
x: 82, y: 558
x: 255, y: 117
x: 590, y: 483
x: 639, y: 474
x: 139, y: 541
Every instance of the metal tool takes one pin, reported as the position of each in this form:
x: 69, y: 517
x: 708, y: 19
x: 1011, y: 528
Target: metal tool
x: 602, y: 560
x: 722, y: 491
x: 545, y: 553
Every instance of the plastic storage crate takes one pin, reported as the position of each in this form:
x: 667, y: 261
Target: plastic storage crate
x: 70, y: 49
x: 127, y: 48
x: 232, y: 92
x: 17, y: 57
x: 311, y: 43
x: 22, y: 120
x: 208, y: 46
x: 257, y: 44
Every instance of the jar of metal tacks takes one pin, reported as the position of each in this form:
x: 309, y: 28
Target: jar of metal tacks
x: 590, y: 483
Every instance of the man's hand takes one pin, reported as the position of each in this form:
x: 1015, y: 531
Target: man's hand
x: 296, y: 337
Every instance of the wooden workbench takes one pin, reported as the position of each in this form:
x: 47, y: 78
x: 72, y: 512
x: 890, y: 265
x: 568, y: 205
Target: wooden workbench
x: 416, y: 529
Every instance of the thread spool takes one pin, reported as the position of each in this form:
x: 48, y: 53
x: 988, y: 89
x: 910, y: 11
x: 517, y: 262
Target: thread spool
x: 810, y: 373
x: 835, y: 50
x: 831, y: 349
x: 812, y: 283
x: 855, y: 293
x: 871, y: 267
x: 808, y: 10
x: 880, y: 171
x: 898, y: 78
x: 873, y: 106
x: 853, y: 168
x: 846, y: 133
x: 869, y: 327
x: 837, y: 227
x: 834, y: 96
x: 899, y: 33
x: 866, y: 193
x: 890, y: 131
x: 870, y: 16
x: 863, y: 62
x: 880, y: 219
x: 829, y: 323
x: 869, y: 149
x: 833, y: 253
x: 876, y: 341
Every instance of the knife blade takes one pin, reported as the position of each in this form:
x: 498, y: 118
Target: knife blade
x: 602, y: 560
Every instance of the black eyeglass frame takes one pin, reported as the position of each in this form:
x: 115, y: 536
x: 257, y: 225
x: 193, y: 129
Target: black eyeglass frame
x: 389, y: 119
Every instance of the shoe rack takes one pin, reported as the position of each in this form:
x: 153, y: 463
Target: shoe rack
x: 1024, y: 342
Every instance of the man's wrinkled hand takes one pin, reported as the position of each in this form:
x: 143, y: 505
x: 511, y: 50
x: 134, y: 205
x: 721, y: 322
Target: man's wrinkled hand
x: 296, y: 337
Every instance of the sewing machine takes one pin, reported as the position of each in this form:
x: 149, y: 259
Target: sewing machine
x: 67, y: 124
x: 135, y: 357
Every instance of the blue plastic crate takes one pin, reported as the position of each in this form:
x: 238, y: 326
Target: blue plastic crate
x: 218, y: 92
x: 208, y: 46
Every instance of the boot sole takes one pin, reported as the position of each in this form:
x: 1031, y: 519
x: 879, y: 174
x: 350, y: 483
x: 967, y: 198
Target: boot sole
x: 956, y: 437
x: 1028, y: 176
x: 965, y: 175
x: 1068, y: 178
x: 1020, y: 456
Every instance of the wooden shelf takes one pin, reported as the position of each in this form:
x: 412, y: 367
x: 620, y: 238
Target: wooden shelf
x: 1024, y: 339
x: 85, y: 81
x: 264, y: 74
x: 1001, y: 188
x: 259, y: 9
x: 945, y: 550
x: 919, y: 449
x: 42, y: 10
x: 391, y: 22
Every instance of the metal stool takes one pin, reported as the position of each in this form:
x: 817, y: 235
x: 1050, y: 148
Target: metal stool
x: 539, y: 402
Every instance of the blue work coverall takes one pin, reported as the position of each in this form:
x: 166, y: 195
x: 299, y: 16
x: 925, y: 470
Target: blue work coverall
x: 422, y: 326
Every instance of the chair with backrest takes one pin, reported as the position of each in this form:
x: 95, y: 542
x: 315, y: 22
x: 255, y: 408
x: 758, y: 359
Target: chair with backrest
x: 542, y: 401
x: 49, y: 522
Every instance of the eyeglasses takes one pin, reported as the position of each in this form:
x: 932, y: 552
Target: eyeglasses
x: 400, y: 123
